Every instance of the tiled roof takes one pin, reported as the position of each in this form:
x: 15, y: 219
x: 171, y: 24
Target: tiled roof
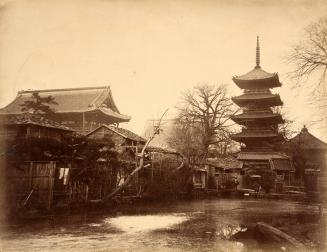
x: 256, y: 133
x: 254, y: 115
x: 256, y: 74
x: 122, y: 132
x: 128, y: 134
x: 308, y: 141
x: 71, y: 100
x: 282, y: 164
x: 257, y: 77
x: 225, y: 162
x: 261, y: 156
x: 32, y: 119
x: 269, y: 99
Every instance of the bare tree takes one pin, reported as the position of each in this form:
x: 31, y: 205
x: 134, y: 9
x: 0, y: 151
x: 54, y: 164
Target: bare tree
x: 186, y: 139
x: 203, y: 118
x: 309, y: 56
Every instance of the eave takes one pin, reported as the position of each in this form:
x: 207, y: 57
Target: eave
x: 260, y: 117
x: 257, y: 78
x: 265, y: 99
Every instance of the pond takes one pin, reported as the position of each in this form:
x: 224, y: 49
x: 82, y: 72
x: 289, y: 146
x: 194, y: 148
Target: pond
x: 203, y: 225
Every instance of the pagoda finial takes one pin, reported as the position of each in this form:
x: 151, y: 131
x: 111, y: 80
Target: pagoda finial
x: 257, y: 59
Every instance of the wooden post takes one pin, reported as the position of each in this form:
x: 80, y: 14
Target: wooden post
x: 83, y: 122
x: 51, y: 167
x: 152, y: 157
x: 31, y: 175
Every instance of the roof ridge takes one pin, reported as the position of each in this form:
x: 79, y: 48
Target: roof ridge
x: 62, y: 89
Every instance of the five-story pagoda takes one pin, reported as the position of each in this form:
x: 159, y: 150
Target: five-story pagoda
x: 258, y: 120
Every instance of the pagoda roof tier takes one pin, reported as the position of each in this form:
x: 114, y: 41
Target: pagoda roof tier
x: 257, y: 78
x: 263, y: 98
x: 247, y: 134
x: 252, y: 116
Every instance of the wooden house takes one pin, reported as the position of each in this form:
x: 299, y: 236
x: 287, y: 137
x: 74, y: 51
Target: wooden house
x: 82, y: 109
x: 121, y: 137
x: 225, y: 171
x: 31, y: 170
x: 128, y: 145
x: 200, y: 176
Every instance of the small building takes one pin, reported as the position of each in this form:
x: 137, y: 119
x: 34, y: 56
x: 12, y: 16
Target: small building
x: 82, y: 109
x: 225, y: 172
x: 121, y: 137
x: 310, y: 154
x: 200, y: 176
x: 128, y: 145
x: 28, y: 127
x: 31, y: 170
x: 157, y: 160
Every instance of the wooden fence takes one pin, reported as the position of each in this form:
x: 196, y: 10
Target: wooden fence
x: 34, y: 181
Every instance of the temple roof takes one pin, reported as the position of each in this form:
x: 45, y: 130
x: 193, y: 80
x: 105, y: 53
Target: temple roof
x: 257, y: 115
x: 308, y: 141
x: 72, y: 100
x: 270, y: 99
x: 32, y: 119
x: 257, y: 78
x: 247, y: 134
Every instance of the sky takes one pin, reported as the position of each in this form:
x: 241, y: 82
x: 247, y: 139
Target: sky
x: 149, y: 52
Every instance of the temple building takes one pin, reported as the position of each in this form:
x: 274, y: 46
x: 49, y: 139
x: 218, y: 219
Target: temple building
x: 259, y: 120
x: 310, y: 158
x: 82, y: 109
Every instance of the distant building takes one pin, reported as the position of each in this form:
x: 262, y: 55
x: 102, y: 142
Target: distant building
x: 259, y: 121
x: 161, y: 140
x: 82, y: 109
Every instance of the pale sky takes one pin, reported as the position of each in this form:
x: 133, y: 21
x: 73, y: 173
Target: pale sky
x: 151, y: 51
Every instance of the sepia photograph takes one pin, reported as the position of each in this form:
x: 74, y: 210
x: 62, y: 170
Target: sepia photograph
x: 163, y: 125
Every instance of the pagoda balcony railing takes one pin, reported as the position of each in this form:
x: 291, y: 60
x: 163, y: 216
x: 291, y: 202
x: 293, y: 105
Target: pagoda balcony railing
x: 257, y: 91
x: 256, y: 149
x: 254, y: 111
x: 256, y: 131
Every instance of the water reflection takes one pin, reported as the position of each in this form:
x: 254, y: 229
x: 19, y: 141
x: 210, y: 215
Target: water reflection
x: 145, y: 223
x: 207, y: 225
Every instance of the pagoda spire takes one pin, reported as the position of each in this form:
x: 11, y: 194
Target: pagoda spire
x: 257, y: 58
